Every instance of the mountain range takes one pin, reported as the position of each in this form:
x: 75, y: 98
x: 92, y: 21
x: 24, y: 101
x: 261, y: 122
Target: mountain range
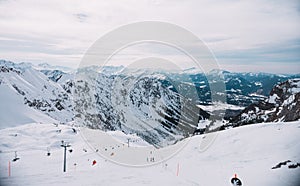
x: 154, y: 105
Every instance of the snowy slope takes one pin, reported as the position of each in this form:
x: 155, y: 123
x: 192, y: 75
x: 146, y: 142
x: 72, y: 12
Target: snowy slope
x: 14, y: 112
x: 249, y: 151
x: 33, y: 89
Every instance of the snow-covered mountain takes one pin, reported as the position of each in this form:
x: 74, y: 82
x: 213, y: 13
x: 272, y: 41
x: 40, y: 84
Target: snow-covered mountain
x: 46, y: 66
x: 14, y: 112
x: 152, y: 108
x: 157, y: 106
x: 28, y: 86
x: 283, y: 104
x: 146, y: 105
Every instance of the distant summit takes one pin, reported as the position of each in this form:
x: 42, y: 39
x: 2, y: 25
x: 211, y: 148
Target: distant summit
x: 283, y: 104
x: 46, y: 66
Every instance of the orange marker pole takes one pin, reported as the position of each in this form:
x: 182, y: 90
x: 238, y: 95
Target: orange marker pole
x: 177, y: 173
x: 9, y: 169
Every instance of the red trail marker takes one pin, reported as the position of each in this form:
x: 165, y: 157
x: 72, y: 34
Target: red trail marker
x: 9, y: 169
x: 177, y: 173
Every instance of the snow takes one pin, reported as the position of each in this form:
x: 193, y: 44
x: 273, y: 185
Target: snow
x: 249, y: 151
x: 295, y: 85
x: 46, y: 66
x: 220, y: 106
x: 295, y: 90
x: 272, y: 98
x: 134, y: 140
x: 270, y: 111
x: 32, y: 85
x: 258, y: 84
x: 289, y: 100
x: 209, y: 159
x: 257, y: 95
x: 237, y: 79
x: 203, y: 123
x: 14, y: 112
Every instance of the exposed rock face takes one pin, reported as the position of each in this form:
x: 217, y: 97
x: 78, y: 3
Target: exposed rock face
x: 147, y: 106
x: 36, y: 90
x: 159, y: 107
x: 283, y: 104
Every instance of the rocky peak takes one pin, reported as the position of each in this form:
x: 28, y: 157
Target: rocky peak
x: 283, y: 91
x: 283, y: 104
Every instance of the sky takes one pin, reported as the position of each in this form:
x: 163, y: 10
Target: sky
x: 244, y: 36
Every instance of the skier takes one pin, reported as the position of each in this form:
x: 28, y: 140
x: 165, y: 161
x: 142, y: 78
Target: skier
x: 235, y: 181
x: 94, y: 162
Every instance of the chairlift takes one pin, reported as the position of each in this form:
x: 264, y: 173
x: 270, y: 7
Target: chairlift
x: 16, y: 157
x: 48, y: 151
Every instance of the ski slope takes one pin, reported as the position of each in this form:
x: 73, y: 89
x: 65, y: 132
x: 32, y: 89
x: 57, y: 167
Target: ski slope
x: 249, y: 151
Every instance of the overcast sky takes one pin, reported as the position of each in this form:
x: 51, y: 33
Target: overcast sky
x: 253, y: 35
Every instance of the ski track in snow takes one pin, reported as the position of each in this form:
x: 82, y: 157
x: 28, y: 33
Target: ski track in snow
x: 249, y: 151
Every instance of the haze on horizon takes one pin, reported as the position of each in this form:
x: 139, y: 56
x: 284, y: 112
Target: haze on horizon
x: 245, y: 36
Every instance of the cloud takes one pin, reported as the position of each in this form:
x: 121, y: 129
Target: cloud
x: 52, y: 31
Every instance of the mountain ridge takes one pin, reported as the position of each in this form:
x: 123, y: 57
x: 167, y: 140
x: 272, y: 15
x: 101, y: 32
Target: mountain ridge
x: 114, y: 100
x: 283, y: 104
